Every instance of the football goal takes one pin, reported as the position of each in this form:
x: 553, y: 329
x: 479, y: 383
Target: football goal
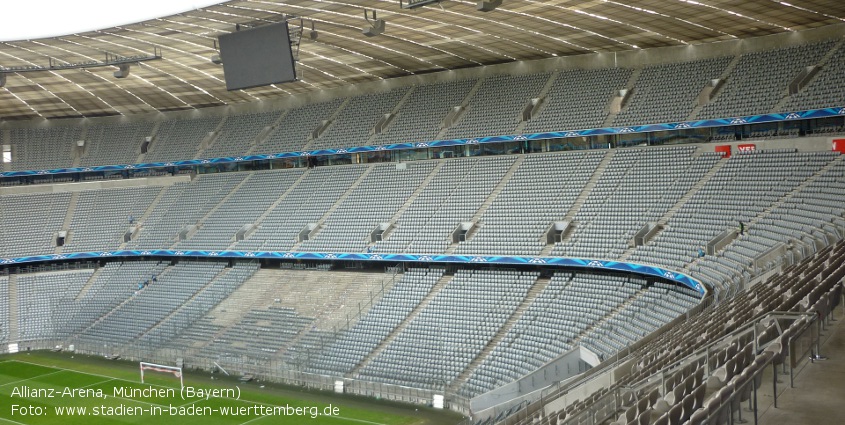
x: 152, y: 367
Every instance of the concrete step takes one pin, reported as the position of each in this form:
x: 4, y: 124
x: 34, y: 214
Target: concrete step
x: 265, y: 134
x: 535, y: 290
x: 414, y: 196
x: 88, y: 284
x: 607, y: 316
x: 681, y: 202
x: 220, y: 274
x: 725, y: 74
x: 442, y: 133
x: 275, y: 204
x: 209, y: 139
x: 140, y: 221
x: 476, y: 218
x: 310, y: 142
x: 401, y: 327
x: 71, y: 208
x: 14, y: 309
x: 339, y: 201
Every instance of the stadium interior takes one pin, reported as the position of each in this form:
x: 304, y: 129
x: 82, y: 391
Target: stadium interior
x: 605, y: 235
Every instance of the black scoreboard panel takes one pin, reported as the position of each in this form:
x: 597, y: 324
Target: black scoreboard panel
x: 257, y: 57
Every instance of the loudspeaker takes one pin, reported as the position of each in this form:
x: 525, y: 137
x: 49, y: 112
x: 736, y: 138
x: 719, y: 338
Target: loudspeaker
x: 123, y: 72
x: 376, y: 28
x: 488, y: 5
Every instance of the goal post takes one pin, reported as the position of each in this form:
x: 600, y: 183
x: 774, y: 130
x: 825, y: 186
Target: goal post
x: 176, y: 371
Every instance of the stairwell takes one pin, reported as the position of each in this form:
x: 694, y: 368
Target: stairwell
x: 88, y: 284
x: 141, y: 220
x: 543, y: 93
x: 266, y: 133
x: 71, y: 208
x: 209, y: 139
x: 535, y: 291
x: 441, y: 283
x: 442, y: 133
x: 205, y: 287
x: 725, y: 74
x: 276, y: 203
x: 153, y: 132
x: 14, y: 309
x: 413, y: 197
x: 489, y: 201
x: 217, y: 207
x: 4, y: 140
x: 765, y: 213
x: 619, y: 307
x: 632, y: 82
x: 822, y: 62
x: 681, y: 202
x: 372, y: 139
x: 310, y: 142
x: 585, y: 193
x: 337, y: 203
x: 78, y: 158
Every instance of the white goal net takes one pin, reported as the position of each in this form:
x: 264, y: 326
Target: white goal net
x: 152, y: 367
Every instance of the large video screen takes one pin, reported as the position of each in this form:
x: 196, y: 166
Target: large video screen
x: 257, y: 57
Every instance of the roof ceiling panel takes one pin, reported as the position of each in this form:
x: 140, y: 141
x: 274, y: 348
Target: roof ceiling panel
x: 448, y: 35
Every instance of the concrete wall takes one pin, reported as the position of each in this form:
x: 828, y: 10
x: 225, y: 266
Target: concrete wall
x: 562, y: 368
x: 804, y: 144
x: 94, y: 185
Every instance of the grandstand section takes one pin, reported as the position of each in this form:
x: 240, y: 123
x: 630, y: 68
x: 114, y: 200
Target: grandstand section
x: 471, y: 108
x: 616, y: 238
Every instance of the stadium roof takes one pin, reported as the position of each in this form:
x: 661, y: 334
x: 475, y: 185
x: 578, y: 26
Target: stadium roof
x: 448, y: 35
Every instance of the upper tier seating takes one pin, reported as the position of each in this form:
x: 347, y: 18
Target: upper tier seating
x: 295, y: 128
x: 115, y: 144
x: 238, y: 134
x: 669, y: 92
x: 354, y: 124
x: 825, y: 90
x: 578, y: 99
x: 179, y: 139
x: 421, y: 116
x: 494, y: 109
x: 43, y: 148
x: 760, y: 79
x: 575, y: 99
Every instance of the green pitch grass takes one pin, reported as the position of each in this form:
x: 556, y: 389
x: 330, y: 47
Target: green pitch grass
x: 49, y: 388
